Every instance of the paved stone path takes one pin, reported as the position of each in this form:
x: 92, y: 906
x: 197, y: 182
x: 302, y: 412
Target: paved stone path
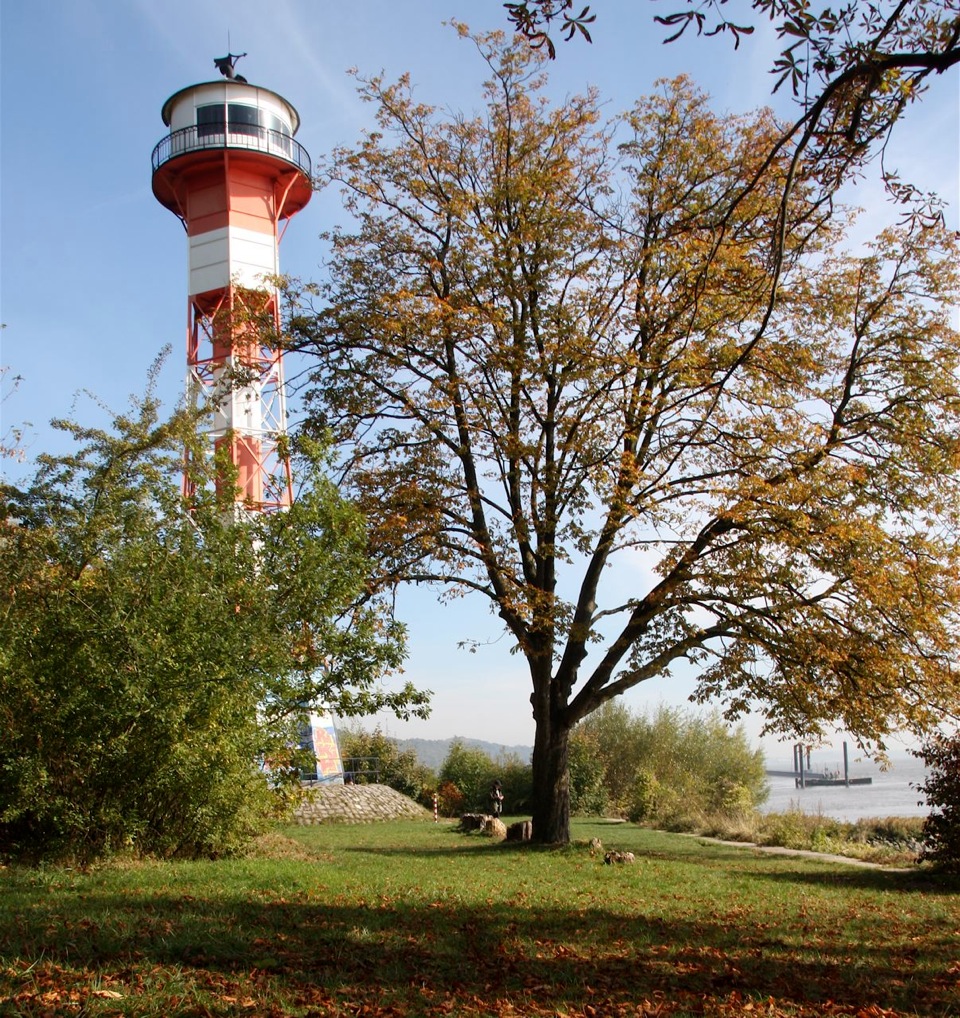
x: 805, y: 853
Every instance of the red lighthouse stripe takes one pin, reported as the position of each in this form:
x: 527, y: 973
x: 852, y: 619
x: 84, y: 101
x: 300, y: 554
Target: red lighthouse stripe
x: 239, y: 198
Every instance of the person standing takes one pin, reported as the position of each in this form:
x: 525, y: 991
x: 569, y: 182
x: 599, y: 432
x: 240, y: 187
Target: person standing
x: 496, y: 798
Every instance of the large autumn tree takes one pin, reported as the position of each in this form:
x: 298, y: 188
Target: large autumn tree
x: 552, y: 358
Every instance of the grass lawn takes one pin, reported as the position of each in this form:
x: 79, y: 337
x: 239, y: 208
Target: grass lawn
x: 411, y: 918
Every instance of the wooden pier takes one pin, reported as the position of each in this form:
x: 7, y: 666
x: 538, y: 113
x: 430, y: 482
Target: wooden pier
x: 807, y: 778
x: 835, y: 782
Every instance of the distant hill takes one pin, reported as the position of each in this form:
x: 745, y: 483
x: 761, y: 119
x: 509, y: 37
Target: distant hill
x: 432, y: 752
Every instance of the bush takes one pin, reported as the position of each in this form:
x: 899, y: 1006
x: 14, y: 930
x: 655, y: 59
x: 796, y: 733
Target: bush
x: 396, y: 768
x: 516, y: 779
x: 619, y: 743
x: 473, y: 771
x: 643, y: 797
x: 888, y: 840
x: 941, y: 829
x: 151, y: 656
x: 674, y: 769
x: 125, y: 726
x: 588, y: 794
x: 451, y: 802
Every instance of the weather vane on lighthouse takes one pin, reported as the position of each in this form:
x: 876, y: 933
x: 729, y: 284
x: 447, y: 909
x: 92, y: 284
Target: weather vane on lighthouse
x: 227, y: 66
x: 232, y: 171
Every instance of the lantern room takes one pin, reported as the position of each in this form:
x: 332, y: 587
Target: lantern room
x: 254, y: 125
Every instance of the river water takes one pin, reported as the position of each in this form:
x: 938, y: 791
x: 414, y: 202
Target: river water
x: 893, y: 792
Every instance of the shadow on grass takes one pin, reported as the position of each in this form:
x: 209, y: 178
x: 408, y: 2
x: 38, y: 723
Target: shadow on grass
x: 473, y: 844
x: 913, y: 881
x: 325, y: 954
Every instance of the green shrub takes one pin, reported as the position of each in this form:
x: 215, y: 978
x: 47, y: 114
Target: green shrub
x: 892, y: 840
x: 516, y: 779
x: 941, y: 829
x: 588, y: 793
x: 673, y: 769
x: 644, y: 797
x: 472, y: 771
x: 382, y: 758
x: 150, y: 656
x: 792, y: 829
x: 126, y: 726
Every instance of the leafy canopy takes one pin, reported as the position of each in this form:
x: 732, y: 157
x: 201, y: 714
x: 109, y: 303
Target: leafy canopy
x: 853, y: 68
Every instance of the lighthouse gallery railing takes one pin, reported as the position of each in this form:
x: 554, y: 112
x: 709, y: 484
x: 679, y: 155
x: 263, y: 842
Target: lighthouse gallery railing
x: 258, y: 139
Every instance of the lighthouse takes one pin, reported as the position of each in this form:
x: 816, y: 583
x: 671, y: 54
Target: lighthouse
x: 232, y: 171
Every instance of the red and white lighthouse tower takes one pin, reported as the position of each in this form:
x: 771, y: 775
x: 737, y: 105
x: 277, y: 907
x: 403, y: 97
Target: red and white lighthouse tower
x: 233, y: 173
x: 231, y: 170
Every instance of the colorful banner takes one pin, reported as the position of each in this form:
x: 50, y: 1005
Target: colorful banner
x: 319, y: 738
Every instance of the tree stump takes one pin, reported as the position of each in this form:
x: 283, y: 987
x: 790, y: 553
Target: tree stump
x: 522, y: 830
x: 494, y: 826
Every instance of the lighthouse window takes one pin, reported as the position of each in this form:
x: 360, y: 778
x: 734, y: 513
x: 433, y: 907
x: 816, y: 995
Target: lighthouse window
x: 276, y: 124
x: 210, y: 120
x: 243, y: 119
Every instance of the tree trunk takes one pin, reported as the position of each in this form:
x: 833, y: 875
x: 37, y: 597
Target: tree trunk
x: 551, y: 777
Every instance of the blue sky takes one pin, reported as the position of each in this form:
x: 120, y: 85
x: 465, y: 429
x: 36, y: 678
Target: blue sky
x: 93, y: 269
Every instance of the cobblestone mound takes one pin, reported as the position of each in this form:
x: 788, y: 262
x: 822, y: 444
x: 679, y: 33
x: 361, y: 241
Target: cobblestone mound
x: 356, y: 804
